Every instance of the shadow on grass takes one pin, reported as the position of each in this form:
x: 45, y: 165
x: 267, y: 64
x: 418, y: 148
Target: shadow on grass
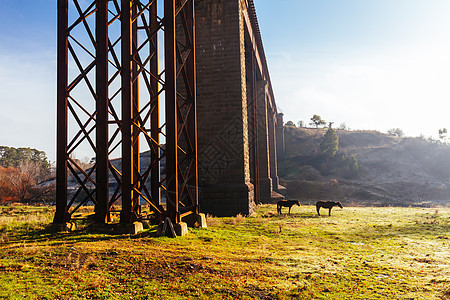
x: 299, y: 215
x: 86, y: 234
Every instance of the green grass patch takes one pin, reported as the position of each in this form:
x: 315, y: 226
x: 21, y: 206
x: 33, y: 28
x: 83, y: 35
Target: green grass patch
x: 357, y: 253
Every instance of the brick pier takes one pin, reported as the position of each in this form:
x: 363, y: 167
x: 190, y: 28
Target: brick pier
x: 236, y: 110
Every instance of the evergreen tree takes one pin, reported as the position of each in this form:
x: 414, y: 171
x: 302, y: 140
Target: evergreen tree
x: 330, y: 143
x: 14, y: 157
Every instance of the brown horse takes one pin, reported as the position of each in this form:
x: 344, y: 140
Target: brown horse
x: 286, y: 203
x: 327, y: 204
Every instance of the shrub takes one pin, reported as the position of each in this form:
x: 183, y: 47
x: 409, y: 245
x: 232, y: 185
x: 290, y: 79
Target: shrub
x: 330, y: 144
x: 19, y: 184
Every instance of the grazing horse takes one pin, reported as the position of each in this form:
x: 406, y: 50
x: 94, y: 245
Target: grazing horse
x: 327, y: 204
x: 286, y: 203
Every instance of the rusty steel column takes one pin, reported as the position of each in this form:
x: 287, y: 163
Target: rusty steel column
x: 154, y: 108
x: 135, y: 113
x: 127, y: 144
x: 83, y: 51
x: 102, y: 111
x: 181, y: 123
x: 192, y: 115
x: 61, y: 125
x: 171, y: 110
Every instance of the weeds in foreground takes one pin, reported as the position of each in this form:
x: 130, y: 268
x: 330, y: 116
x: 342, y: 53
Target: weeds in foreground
x: 238, y: 219
x: 213, y: 221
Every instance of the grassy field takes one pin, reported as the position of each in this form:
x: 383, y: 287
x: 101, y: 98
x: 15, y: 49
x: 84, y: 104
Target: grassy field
x: 357, y: 253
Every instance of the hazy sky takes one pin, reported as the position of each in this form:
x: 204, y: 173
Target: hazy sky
x: 373, y: 64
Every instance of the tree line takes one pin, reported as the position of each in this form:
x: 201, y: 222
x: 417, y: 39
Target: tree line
x: 22, y: 175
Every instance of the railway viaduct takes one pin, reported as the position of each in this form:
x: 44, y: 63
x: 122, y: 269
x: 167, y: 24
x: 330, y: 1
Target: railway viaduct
x: 207, y: 119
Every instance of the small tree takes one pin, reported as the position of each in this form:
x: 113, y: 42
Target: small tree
x: 396, y: 132
x: 290, y: 123
x: 23, y: 179
x: 330, y: 143
x: 442, y: 133
x: 353, y: 165
x: 343, y: 126
x: 13, y: 157
x: 317, y: 120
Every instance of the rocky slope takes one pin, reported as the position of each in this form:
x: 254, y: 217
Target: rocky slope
x: 392, y: 170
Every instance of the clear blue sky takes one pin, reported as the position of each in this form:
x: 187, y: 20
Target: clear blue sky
x: 372, y: 64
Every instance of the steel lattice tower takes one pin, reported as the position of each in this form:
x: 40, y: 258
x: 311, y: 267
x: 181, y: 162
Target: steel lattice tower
x: 109, y: 86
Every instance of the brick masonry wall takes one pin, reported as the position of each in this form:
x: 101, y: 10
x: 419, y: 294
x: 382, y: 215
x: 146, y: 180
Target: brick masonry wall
x: 279, y: 130
x: 223, y: 153
x: 265, y: 181
x: 273, y: 151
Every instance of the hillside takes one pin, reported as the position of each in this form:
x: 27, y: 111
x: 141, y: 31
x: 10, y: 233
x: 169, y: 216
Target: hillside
x: 392, y: 170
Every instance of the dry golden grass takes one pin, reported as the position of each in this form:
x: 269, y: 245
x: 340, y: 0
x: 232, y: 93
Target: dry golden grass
x: 213, y: 221
x: 238, y: 219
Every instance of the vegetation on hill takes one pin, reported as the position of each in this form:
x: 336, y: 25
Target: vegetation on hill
x: 13, y: 157
x: 330, y: 144
x: 21, y: 169
x: 317, y: 120
x: 357, y: 253
x: 368, y: 168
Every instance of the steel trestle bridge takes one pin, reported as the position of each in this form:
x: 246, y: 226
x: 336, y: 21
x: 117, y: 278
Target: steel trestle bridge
x: 109, y: 90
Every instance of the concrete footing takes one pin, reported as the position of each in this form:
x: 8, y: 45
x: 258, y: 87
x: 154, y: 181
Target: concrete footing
x: 201, y: 219
x: 130, y: 228
x: 136, y: 227
x: 177, y: 229
x: 166, y: 228
x: 180, y: 228
x: 196, y: 221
